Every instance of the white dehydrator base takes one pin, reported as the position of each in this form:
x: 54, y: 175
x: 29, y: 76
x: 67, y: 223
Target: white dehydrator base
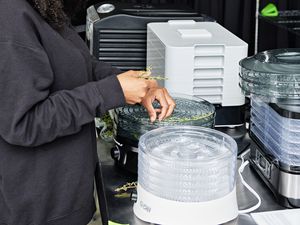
x: 153, y: 209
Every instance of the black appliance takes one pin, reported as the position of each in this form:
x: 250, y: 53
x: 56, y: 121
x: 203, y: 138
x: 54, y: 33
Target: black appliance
x: 282, y: 31
x: 117, y: 32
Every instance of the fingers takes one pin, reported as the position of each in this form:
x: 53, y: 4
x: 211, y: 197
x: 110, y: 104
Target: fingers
x: 160, y: 96
x: 165, y: 100
x: 170, y: 102
x: 147, y: 103
x: 152, y: 83
x: 146, y: 91
x: 158, y: 110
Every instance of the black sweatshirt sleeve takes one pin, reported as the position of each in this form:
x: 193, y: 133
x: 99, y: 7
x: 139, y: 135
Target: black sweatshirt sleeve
x: 99, y: 68
x: 29, y: 114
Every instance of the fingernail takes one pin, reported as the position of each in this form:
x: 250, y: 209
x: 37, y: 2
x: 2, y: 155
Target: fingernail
x: 152, y: 119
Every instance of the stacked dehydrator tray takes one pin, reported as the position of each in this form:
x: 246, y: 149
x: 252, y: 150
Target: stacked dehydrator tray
x: 185, y: 175
x: 132, y: 121
x: 272, y: 80
x: 200, y: 59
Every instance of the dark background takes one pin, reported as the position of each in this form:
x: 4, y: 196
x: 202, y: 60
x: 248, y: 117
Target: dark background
x: 238, y: 16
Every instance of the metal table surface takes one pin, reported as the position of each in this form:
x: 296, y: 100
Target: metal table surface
x: 120, y: 210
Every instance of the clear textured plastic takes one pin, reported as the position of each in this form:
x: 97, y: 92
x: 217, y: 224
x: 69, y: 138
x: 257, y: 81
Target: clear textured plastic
x: 289, y: 144
x: 133, y: 120
x: 277, y: 131
x: 274, y: 148
x: 274, y: 74
x: 273, y: 92
x: 271, y: 117
x: 187, y: 163
x: 268, y: 78
x: 272, y: 66
x: 280, y: 135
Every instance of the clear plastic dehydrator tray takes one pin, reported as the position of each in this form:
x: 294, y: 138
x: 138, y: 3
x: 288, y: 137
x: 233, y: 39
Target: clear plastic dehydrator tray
x: 272, y: 91
x: 187, y: 163
x: 274, y: 74
x: 287, y: 144
x: 272, y: 66
x: 266, y: 112
x: 133, y: 120
x: 280, y: 135
x: 275, y: 149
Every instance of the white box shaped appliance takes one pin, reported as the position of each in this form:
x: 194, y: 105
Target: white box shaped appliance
x: 200, y: 59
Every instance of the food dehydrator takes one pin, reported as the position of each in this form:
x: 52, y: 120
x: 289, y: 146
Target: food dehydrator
x: 185, y: 175
x: 272, y: 80
x: 200, y: 59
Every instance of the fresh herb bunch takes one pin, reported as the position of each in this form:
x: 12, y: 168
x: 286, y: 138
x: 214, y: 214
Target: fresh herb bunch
x: 146, y: 75
x: 105, y: 125
x: 187, y: 119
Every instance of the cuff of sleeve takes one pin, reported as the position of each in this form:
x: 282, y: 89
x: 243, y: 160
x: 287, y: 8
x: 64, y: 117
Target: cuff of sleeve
x: 116, y: 71
x: 111, y: 92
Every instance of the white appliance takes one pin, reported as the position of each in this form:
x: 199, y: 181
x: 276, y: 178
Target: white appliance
x: 199, y: 59
x: 186, y: 175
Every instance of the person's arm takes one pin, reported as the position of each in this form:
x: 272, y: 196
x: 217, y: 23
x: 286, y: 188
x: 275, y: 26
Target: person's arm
x: 29, y: 114
x: 154, y: 92
x: 102, y: 70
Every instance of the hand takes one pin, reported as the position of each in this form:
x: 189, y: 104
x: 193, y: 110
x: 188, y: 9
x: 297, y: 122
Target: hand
x: 165, y: 100
x: 134, y: 87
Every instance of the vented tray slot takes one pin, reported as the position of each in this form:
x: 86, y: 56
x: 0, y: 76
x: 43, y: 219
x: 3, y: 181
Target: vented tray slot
x: 209, y: 61
x: 123, y: 54
x: 109, y: 49
x: 205, y: 50
x: 121, y: 45
x: 207, y: 90
x: 208, y: 82
x: 122, y: 36
x: 111, y: 59
x: 211, y: 98
x: 208, y: 72
x: 125, y: 68
x: 121, y: 40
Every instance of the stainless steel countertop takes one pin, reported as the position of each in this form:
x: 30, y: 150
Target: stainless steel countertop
x: 120, y: 209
